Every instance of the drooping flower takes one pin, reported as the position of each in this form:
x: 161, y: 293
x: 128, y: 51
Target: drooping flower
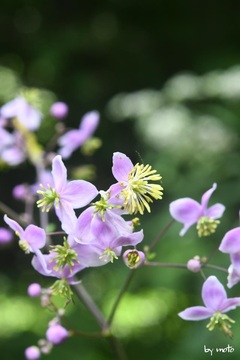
x: 134, y: 185
x: 27, y: 115
x: 73, y: 139
x: 216, y: 305
x: 189, y: 212
x: 65, y: 195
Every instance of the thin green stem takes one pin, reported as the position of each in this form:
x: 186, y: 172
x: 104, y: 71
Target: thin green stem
x: 92, y: 307
x: 97, y: 314
x: 120, y: 295
x: 182, y: 266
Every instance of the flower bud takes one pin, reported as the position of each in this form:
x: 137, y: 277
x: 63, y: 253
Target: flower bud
x: 34, y: 290
x: 133, y: 258
x: 59, y: 110
x: 32, y: 353
x: 194, y: 264
x: 56, y: 334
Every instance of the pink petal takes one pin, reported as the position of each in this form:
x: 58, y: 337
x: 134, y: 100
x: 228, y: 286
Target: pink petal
x: 215, y: 211
x: 122, y: 166
x: 79, y: 193
x: 59, y: 173
x: 206, y: 196
x: 196, y: 313
x: 213, y: 293
x: 230, y: 243
x: 35, y: 237
x: 14, y: 225
x: 186, y: 211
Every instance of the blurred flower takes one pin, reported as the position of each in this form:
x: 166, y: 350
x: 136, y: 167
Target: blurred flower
x: 27, y: 115
x: 73, y: 139
x: 59, y: 110
x: 189, y: 212
x: 5, y: 236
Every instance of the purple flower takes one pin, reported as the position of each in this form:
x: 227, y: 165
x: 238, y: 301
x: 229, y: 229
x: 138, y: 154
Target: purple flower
x: 59, y: 110
x: 134, y: 186
x: 66, y: 195
x: 188, y: 212
x: 73, y: 139
x: 107, y: 234
x: 31, y: 239
x: 27, y: 115
x: 215, y: 300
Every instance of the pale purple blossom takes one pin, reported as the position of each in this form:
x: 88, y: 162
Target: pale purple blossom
x: 73, y: 139
x: 67, y: 195
x: 31, y: 239
x: 26, y: 114
x: 107, y: 234
x: 188, y: 211
x: 215, y: 300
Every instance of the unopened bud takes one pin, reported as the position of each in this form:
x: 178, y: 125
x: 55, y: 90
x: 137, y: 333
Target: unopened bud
x: 194, y: 264
x: 32, y: 353
x: 56, y: 334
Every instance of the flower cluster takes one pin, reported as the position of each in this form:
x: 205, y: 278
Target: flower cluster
x: 97, y: 227
x: 95, y: 236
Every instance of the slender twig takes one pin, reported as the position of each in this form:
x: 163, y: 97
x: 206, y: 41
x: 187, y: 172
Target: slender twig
x: 182, y: 266
x: 97, y: 314
x: 12, y: 214
x: 119, y: 297
x: 160, y: 235
x: 90, y: 304
x: 164, y: 264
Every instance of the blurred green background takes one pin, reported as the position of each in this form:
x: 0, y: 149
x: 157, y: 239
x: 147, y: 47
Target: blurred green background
x: 165, y: 76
